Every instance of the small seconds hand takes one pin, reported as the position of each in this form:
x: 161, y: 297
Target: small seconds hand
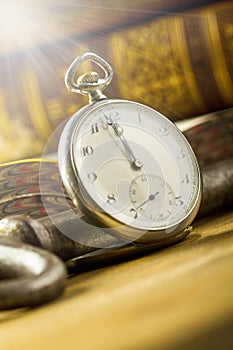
x: 150, y: 198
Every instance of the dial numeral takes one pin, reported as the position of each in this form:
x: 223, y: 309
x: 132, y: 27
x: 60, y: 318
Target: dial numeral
x: 163, y: 131
x: 111, y: 198
x: 161, y: 216
x: 181, y: 154
x: 92, y: 177
x: 179, y: 201
x: 94, y: 128
x: 87, y: 151
x: 114, y: 115
x: 143, y: 178
x: 110, y: 117
x: 132, y: 192
x: 185, y: 179
x: 134, y: 213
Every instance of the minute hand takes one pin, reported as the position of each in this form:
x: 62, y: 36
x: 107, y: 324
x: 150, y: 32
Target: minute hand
x: 119, y: 131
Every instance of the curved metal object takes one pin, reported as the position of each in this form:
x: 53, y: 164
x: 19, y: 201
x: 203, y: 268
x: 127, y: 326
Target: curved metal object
x: 29, y: 279
x: 30, y: 269
x: 34, y: 275
x: 31, y: 275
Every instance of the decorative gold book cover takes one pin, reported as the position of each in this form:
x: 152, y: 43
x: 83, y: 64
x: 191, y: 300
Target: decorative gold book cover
x: 178, y: 62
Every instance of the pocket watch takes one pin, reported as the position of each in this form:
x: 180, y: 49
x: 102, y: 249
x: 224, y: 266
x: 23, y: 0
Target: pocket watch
x: 126, y: 166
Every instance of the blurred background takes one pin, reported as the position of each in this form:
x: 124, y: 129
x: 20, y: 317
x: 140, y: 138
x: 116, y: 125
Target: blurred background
x: 176, y: 56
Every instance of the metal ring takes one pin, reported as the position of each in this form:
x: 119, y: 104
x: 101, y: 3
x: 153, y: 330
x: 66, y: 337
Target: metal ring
x: 85, y: 88
x: 31, y: 275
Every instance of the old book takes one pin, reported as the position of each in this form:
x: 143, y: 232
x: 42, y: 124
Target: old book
x: 179, y: 63
x: 25, y: 24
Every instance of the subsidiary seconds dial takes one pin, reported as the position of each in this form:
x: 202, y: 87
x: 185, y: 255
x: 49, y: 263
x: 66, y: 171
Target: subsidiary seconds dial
x: 152, y: 198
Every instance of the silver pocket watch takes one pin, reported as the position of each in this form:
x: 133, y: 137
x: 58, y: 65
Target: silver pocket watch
x: 126, y: 166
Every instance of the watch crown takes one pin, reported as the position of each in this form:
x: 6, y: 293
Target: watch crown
x: 88, y: 78
x: 89, y: 83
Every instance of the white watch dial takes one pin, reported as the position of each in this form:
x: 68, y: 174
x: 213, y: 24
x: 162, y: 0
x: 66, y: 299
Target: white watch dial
x: 135, y: 165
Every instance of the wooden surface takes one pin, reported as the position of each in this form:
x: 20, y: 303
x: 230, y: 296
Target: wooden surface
x: 180, y: 297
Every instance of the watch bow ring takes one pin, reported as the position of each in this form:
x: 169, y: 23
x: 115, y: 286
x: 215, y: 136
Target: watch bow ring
x: 127, y: 167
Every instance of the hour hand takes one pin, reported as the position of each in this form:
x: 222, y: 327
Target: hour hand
x: 119, y: 131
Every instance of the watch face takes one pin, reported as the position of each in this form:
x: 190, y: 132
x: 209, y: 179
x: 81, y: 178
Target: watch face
x: 134, y: 165
x: 131, y: 164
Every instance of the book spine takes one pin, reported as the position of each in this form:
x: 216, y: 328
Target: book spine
x: 182, y: 65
